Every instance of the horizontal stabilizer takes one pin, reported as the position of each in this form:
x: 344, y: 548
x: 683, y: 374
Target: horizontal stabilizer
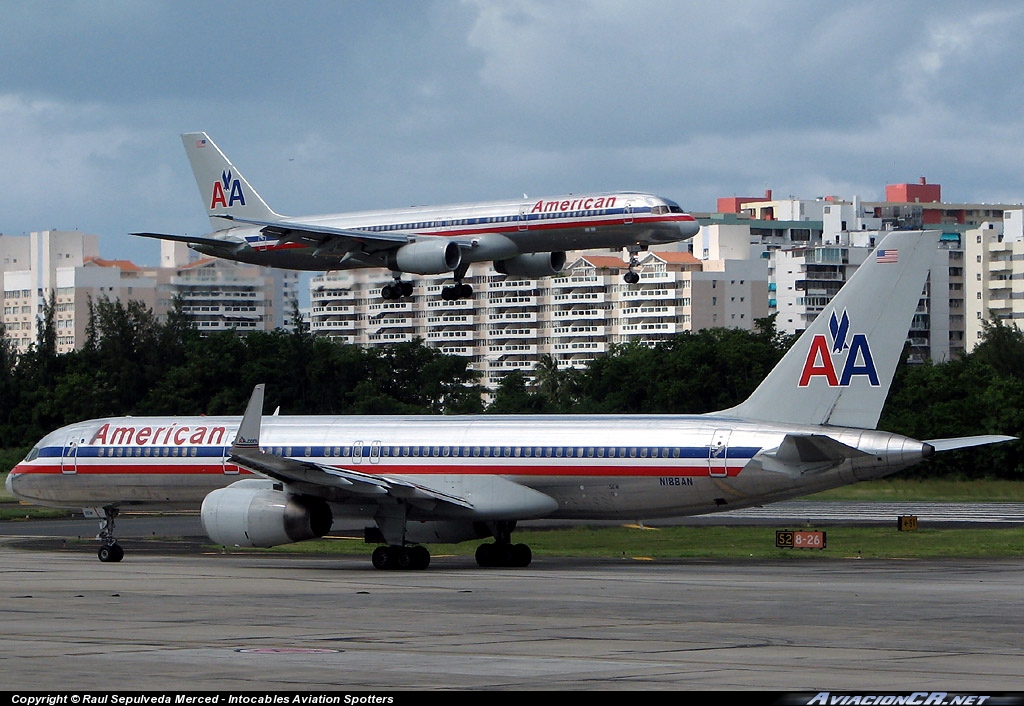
x: 803, y: 454
x: 814, y: 448
x: 963, y: 442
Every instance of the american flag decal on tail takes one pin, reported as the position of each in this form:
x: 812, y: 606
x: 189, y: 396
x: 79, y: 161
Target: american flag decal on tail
x: 890, y: 255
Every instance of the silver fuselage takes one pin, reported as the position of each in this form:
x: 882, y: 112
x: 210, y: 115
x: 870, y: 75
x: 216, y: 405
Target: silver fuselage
x: 595, y: 467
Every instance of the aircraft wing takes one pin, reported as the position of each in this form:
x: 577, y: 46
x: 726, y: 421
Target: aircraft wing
x: 330, y: 239
x: 330, y: 482
x: 296, y: 230
x: 320, y: 480
x: 192, y: 240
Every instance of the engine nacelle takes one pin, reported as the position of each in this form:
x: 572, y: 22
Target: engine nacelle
x: 540, y: 264
x: 429, y: 256
x: 253, y: 513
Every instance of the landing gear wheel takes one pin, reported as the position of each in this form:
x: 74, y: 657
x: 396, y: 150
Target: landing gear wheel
x: 457, y: 291
x: 402, y: 558
x: 631, y: 277
x: 420, y: 557
x: 381, y: 558
x: 521, y: 555
x: 396, y: 290
x: 485, y: 556
x: 110, y: 553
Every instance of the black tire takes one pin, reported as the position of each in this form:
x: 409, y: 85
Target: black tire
x: 631, y: 277
x: 406, y: 289
x: 485, y: 555
x: 521, y: 555
x: 110, y: 553
x: 420, y: 557
x: 381, y: 558
x: 465, y: 291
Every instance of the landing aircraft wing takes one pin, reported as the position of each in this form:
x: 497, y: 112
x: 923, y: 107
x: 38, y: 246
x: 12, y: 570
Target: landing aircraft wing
x: 192, y: 240
x: 332, y: 239
x: 296, y: 230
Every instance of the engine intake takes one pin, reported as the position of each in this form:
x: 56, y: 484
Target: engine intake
x: 541, y: 264
x: 253, y: 513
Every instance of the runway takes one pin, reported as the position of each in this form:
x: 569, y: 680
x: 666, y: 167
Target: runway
x: 214, y: 622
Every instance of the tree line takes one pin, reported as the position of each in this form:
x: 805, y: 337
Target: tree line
x: 133, y: 363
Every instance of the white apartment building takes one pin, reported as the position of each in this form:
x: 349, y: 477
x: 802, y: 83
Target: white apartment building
x: 65, y: 265
x: 994, y: 274
x: 511, y: 322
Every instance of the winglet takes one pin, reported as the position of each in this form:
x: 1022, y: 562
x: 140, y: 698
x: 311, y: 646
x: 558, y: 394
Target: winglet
x: 249, y: 430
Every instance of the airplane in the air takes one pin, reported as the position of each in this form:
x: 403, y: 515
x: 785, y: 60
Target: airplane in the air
x: 268, y: 480
x: 526, y: 238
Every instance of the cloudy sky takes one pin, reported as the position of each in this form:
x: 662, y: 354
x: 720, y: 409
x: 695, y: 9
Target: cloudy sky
x: 337, y: 106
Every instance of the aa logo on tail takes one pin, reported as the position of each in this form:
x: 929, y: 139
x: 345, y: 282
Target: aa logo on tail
x: 823, y: 360
x: 227, y: 192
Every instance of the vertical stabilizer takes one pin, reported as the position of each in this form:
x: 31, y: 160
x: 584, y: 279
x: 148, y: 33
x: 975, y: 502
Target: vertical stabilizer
x: 221, y: 185
x: 840, y: 369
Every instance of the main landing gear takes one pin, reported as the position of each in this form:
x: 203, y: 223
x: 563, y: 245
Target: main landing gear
x: 396, y: 290
x: 458, y: 290
x: 396, y: 555
x: 405, y: 558
x: 501, y: 552
x: 110, y: 550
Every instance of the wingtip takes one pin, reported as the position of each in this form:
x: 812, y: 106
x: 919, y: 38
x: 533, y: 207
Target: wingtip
x: 248, y: 435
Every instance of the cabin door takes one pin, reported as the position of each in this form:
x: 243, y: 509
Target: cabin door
x: 69, y: 457
x: 229, y: 469
x: 718, y: 454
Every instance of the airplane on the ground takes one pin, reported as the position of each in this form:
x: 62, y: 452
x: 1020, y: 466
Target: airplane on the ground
x: 264, y: 481
x: 526, y: 238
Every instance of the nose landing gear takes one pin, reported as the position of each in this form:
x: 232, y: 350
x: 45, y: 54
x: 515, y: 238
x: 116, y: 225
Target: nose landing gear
x: 110, y: 550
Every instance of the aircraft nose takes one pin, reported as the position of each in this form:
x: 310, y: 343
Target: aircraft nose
x: 9, y: 483
x: 689, y: 228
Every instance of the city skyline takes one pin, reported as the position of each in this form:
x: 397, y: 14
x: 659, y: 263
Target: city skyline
x: 358, y: 105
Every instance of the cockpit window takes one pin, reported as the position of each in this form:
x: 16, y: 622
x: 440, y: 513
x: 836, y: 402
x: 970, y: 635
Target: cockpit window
x: 33, y: 454
x: 667, y: 207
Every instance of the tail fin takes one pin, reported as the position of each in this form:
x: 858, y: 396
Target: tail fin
x: 221, y: 186
x: 840, y: 369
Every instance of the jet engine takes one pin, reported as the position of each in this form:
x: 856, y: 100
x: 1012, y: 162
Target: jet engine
x: 430, y: 256
x: 257, y: 513
x: 541, y: 264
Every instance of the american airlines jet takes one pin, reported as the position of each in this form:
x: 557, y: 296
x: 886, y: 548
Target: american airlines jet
x: 263, y: 481
x: 526, y: 238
